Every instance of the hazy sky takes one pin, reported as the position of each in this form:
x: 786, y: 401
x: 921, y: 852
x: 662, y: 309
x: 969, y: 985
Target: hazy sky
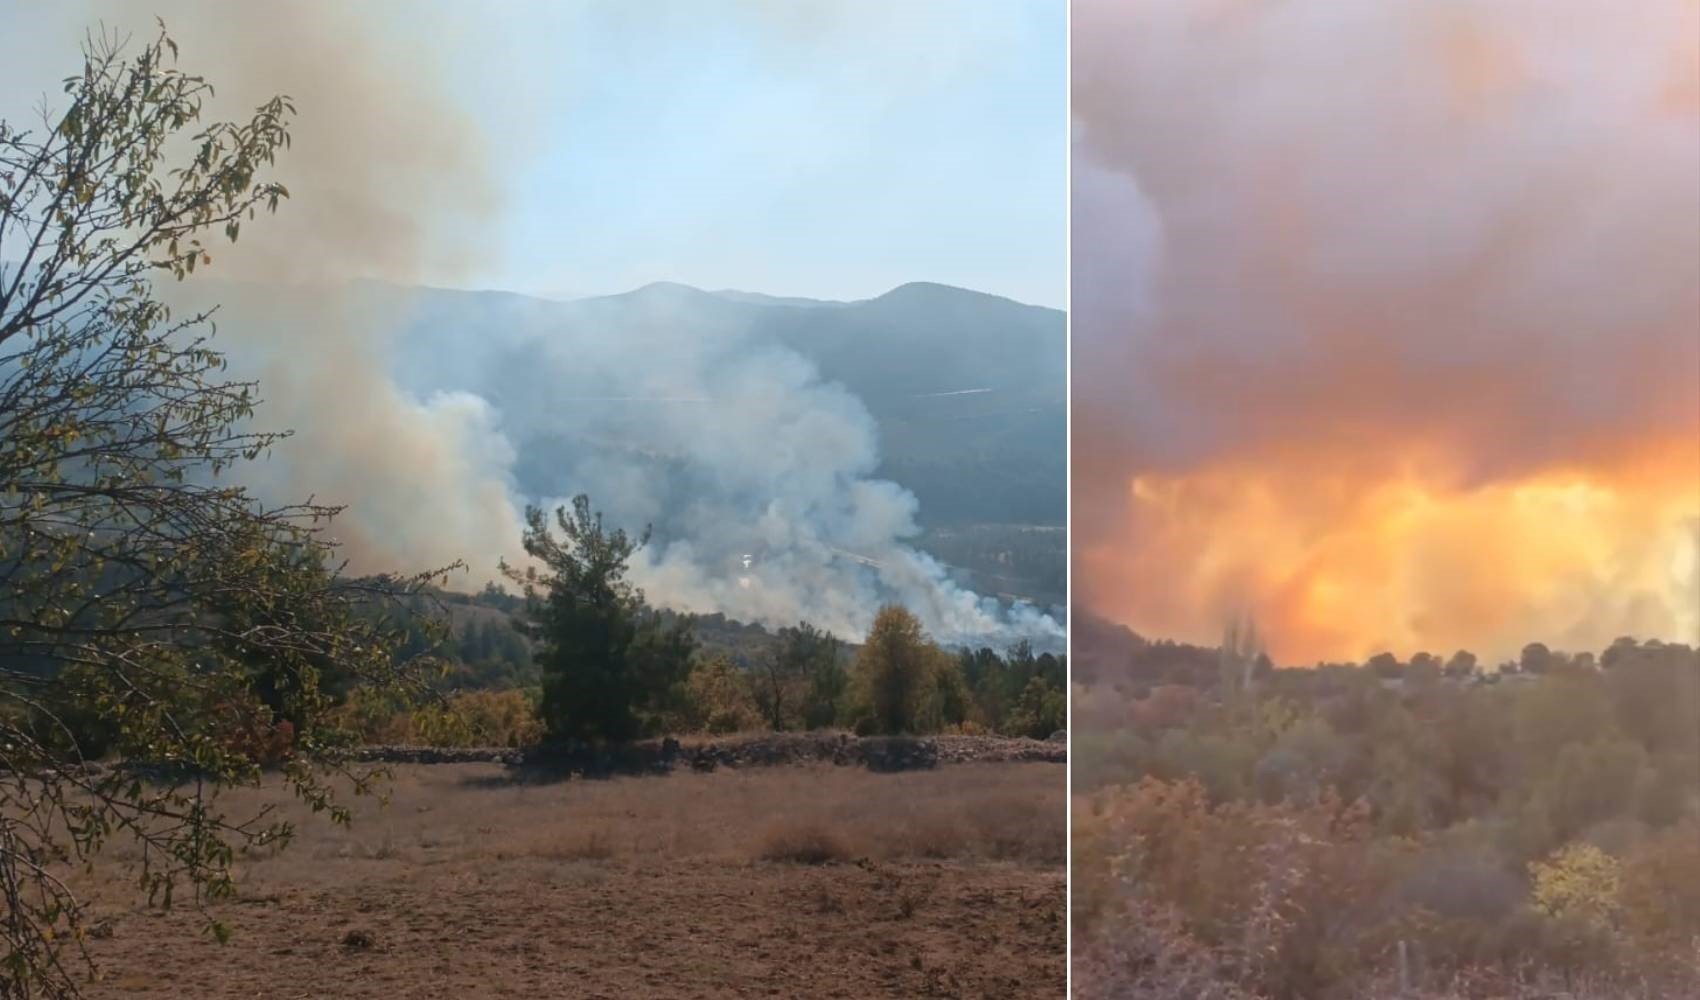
x: 830, y: 149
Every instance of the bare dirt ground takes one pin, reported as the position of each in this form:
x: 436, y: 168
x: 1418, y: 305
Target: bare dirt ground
x: 788, y: 881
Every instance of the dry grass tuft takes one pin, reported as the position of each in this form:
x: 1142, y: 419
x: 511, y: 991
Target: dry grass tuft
x: 931, y: 837
x: 803, y: 843
x: 593, y: 845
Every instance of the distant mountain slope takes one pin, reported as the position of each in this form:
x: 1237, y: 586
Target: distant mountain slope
x: 968, y: 390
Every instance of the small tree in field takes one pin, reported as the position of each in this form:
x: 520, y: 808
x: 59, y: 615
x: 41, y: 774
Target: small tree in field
x: 720, y: 698
x: 799, y: 683
x: 823, y: 703
x: 1041, y: 710
x: 611, y: 668
x: 148, y: 609
x: 898, y: 670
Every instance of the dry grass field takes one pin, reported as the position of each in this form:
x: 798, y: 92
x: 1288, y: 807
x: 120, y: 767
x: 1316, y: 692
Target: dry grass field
x: 796, y: 881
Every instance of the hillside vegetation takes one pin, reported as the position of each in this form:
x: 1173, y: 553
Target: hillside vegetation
x: 1334, y: 831
x: 735, y: 677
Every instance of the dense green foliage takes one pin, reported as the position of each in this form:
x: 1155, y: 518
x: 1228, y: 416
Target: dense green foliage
x: 800, y: 682
x: 743, y: 676
x: 897, y: 680
x: 1020, y: 694
x: 1297, y: 825
x: 612, y: 669
x: 905, y: 683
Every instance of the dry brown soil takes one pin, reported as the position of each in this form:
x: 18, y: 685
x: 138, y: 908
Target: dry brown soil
x: 791, y: 881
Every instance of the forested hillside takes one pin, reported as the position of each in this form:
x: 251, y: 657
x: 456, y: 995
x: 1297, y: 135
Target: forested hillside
x: 1325, y: 831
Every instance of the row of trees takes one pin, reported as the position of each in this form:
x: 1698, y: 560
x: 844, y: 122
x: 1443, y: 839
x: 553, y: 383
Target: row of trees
x: 1288, y: 836
x: 1115, y: 655
x: 748, y: 677
x: 1535, y: 658
x: 612, y: 668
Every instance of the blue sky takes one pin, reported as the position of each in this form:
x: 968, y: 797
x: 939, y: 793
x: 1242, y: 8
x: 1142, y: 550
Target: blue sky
x: 833, y: 148
x: 834, y: 159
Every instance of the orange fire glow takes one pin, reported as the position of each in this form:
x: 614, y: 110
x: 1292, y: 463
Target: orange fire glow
x: 1339, y: 565
x: 1386, y: 322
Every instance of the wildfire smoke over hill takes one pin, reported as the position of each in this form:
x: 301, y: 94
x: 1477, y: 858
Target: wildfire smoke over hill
x: 1387, y: 321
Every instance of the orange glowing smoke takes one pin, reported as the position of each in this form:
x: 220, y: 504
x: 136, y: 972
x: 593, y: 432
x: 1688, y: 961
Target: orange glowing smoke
x: 1341, y: 565
x: 1387, y: 322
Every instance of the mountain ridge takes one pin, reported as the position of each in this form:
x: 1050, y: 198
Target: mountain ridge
x: 664, y: 286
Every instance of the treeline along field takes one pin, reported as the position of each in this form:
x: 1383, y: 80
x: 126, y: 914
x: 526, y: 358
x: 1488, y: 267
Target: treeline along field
x: 735, y: 678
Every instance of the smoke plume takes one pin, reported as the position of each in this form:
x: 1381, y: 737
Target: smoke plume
x: 668, y: 407
x: 731, y: 446
x: 388, y: 179
x: 1387, y: 320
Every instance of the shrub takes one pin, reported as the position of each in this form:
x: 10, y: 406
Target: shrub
x: 1578, y: 880
x: 720, y: 699
x: 1659, y: 890
x: 479, y: 719
x: 465, y: 719
x: 804, y: 843
x: 1041, y: 711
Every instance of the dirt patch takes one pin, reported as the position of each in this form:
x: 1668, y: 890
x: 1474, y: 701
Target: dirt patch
x: 944, y: 882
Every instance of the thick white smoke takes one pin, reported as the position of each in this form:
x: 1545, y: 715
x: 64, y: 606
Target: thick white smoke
x: 729, y: 443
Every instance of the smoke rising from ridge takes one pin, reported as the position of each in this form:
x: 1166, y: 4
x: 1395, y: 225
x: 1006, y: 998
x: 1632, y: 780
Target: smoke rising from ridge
x: 730, y: 444
x: 1387, y: 321
x: 669, y: 407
